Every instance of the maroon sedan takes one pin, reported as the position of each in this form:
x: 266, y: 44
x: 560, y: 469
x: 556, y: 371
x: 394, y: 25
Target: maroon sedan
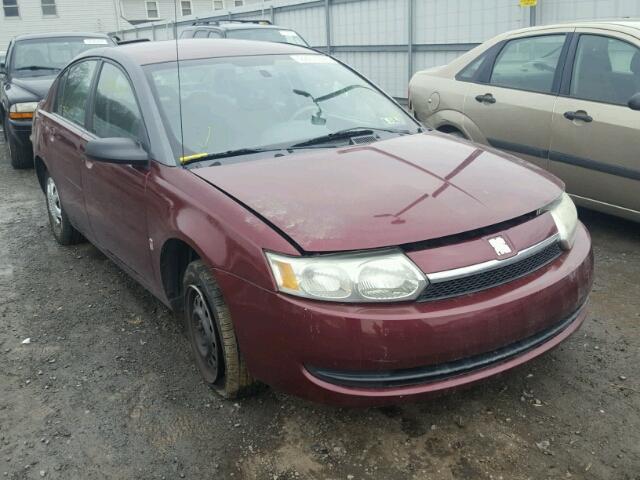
x: 312, y: 235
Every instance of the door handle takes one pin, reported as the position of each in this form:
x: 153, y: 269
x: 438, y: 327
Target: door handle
x: 486, y: 98
x: 579, y: 115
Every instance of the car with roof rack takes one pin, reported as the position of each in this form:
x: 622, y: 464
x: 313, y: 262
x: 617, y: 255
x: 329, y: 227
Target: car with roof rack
x: 308, y: 231
x: 261, y: 30
x: 31, y: 65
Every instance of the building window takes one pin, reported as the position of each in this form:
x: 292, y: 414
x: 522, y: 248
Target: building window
x: 186, y: 7
x: 238, y: 3
x: 49, y: 7
x: 218, y: 4
x: 152, y: 10
x: 10, y: 8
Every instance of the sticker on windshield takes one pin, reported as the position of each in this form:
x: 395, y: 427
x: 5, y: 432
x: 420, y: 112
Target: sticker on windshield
x: 312, y: 59
x: 95, y: 41
x: 391, y: 120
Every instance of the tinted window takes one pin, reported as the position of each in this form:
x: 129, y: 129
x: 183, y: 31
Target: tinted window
x: 116, y: 113
x: 74, y: 92
x: 213, y: 34
x: 201, y: 34
x: 605, y: 70
x: 45, y: 56
x: 528, y: 63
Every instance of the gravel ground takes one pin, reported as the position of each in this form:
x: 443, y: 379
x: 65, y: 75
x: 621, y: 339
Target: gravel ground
x: 106, y: 387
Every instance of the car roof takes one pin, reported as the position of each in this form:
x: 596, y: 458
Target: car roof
x: 614, y: 24
x: 30, y: 36
x: 238, y: 26
x: 146, y: 53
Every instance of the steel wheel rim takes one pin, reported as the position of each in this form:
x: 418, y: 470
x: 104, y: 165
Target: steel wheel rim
x: 53, y: 204
x: 205, y: 339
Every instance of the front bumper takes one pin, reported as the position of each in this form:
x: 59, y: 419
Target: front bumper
x: 289, y: 342
x: 20, y: 132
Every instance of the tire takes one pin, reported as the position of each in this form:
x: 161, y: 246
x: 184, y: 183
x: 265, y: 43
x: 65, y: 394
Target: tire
x: 212, y: 336
x: 61, y: 227
x: 21, y: 156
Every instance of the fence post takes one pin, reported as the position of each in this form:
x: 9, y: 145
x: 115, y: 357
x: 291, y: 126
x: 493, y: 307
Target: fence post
x: 409, y: 39
x: 136, y: 30
x: 532, y: 16
x: 273, y: 14
x: 153, y: 31
x: 327, y: 20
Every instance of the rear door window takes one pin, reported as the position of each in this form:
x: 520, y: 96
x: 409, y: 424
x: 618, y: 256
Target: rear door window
x: 74, y: 92
x: 605, y: 70
x: 116, y: 112
x: 528, y: 63
x: 201, y: 34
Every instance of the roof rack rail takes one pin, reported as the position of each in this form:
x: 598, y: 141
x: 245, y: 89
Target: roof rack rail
x: 218, y: 22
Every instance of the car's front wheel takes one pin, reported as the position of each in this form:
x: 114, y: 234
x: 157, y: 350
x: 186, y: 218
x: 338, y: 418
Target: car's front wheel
x: 63, y: 231
x: 211, y: 334
x: 21, y: 155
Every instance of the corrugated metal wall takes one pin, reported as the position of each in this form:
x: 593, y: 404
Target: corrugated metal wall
x: 377, y: 36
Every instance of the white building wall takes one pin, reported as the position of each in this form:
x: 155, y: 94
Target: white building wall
x: 137, y: 10
x: 72, y: 16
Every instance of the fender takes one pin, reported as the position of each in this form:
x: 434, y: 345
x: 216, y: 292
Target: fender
x: 224, y: 234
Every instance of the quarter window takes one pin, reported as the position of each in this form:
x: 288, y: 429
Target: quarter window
x: 528, y: 63
x: 152, y: 10
x: 49, y: 7
x: 470, y: 70
x: 10, y: 8
x: 116, y: 112
x: 186, y: 7
x: 605, y: 70
x: 74, y: 92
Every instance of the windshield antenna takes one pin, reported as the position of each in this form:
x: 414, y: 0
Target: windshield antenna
x: 175, y: 35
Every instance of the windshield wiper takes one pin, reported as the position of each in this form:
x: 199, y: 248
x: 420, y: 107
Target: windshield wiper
x: 346, y: 134
x: 37, y: 67
x: 200, y: 157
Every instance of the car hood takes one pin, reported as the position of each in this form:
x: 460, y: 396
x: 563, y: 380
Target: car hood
x: 392, y: 192
x: 36, y: 86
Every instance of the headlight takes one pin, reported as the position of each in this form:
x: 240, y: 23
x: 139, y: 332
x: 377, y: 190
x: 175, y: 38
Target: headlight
x: 22, y: 111
x: 361, y: 277
x: 565, y: 215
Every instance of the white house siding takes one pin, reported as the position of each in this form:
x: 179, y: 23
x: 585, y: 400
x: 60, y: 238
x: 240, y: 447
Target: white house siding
x: 137, y: 10
x: 72, y: 16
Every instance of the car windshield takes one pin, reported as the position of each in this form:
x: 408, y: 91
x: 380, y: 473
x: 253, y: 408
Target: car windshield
x: 267, y: 35
x: 254, y: 102
x: 45, y: 56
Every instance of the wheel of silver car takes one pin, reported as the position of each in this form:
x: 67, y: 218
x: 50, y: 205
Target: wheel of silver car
x: 63, y: 231
x: 212, y: 335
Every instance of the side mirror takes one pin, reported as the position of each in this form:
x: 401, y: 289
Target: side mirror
x: 3, y: 68
x: 634, y: 102
x: 123, y: 151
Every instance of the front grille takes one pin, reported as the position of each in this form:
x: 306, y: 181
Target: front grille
x: 491, y: 278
